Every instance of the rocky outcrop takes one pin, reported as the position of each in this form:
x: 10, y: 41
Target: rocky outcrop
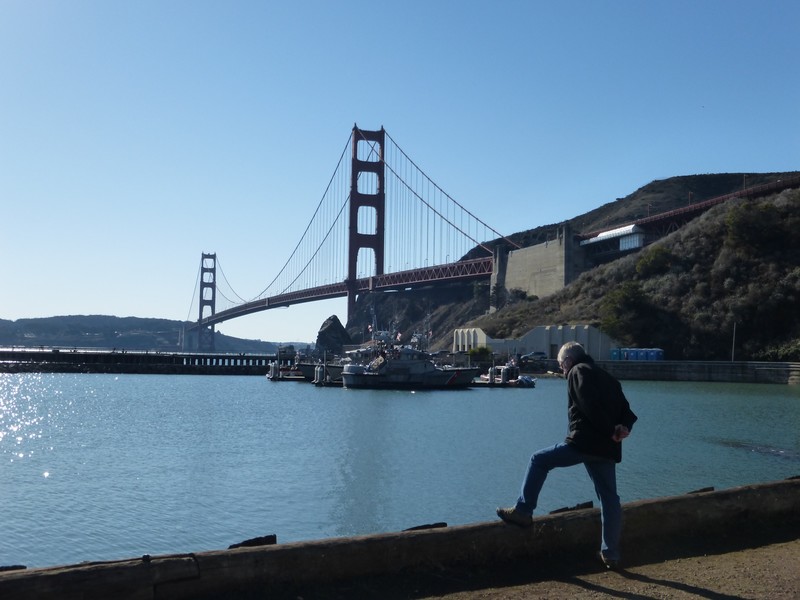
x: 332, y: 336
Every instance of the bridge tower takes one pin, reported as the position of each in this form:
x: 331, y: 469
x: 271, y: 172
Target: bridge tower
x: 208, y: 296
x: 367, y: 193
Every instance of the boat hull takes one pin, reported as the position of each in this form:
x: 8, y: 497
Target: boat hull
x: 331, y: 372
x: 397, y: 379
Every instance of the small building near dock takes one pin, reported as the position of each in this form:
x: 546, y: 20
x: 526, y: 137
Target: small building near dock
x: 544, y: 338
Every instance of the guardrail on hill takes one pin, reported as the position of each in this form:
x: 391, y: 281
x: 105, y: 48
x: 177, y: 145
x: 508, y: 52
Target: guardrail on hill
x: 756, y: 191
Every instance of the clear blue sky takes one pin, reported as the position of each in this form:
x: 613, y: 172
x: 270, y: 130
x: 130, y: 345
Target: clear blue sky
x: 137, y: 134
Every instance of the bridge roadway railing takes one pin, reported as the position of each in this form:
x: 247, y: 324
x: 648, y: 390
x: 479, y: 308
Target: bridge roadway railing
x: 478, y: 268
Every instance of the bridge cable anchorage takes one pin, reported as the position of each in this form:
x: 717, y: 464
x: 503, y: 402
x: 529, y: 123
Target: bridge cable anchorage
x: 453, y: 200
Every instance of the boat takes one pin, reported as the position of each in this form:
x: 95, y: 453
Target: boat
x: 406, y: 368
x: 508, y: 376
x: 279, y: 372
x: 321, y: 373
x: 523, y: 381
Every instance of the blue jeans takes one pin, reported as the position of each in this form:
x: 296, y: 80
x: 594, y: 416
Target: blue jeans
x: 603, y: 474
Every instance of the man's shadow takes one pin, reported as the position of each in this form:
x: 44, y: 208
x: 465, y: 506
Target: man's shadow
x: 665, y: 586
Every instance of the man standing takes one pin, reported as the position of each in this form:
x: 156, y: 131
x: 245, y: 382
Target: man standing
x: 599, y: 419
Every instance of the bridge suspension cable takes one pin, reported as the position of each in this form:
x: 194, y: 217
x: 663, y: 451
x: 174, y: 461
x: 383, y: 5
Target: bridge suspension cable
x: 220, y: 291
x: 471, y: 218
x: 332, y: 188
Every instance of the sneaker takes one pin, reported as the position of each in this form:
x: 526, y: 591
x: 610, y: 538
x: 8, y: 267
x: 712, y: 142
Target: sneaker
x: 515, y: 517
x: 612, y: 564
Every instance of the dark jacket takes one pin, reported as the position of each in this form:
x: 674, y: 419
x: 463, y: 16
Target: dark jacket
x: 596, y: 406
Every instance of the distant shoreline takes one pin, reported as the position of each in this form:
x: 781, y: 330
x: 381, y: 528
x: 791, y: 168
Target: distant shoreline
x: 58, y: 360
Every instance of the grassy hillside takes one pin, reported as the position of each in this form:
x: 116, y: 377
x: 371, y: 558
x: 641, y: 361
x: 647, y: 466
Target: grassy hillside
x: 656, y: 197
x: 737, y: 263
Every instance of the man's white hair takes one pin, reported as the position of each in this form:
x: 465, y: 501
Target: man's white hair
x: 571, y: 350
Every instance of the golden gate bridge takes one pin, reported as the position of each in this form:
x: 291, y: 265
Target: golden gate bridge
x: 382, y: 224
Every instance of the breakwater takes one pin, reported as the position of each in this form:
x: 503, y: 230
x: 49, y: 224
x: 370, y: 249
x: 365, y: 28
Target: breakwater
x: 58, y: 360
x: 250, y: 569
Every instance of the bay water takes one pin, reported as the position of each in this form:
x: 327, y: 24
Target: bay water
x: 101, y: 467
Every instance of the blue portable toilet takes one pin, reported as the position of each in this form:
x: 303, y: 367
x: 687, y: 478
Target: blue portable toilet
x: 615, y: 354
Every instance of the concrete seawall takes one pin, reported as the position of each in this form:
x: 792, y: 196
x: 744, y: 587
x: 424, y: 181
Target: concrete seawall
x: 206, y: 574
x: 718, y: 371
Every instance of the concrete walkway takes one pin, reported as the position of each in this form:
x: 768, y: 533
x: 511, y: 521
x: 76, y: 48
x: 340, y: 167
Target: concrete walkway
x: 483, y: 556
x: 722, y: 570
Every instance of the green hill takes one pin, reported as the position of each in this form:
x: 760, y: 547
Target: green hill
x: 107, y: 332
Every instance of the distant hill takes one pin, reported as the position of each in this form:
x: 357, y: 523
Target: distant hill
x: 659, y: 196
x: 108, y: 332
